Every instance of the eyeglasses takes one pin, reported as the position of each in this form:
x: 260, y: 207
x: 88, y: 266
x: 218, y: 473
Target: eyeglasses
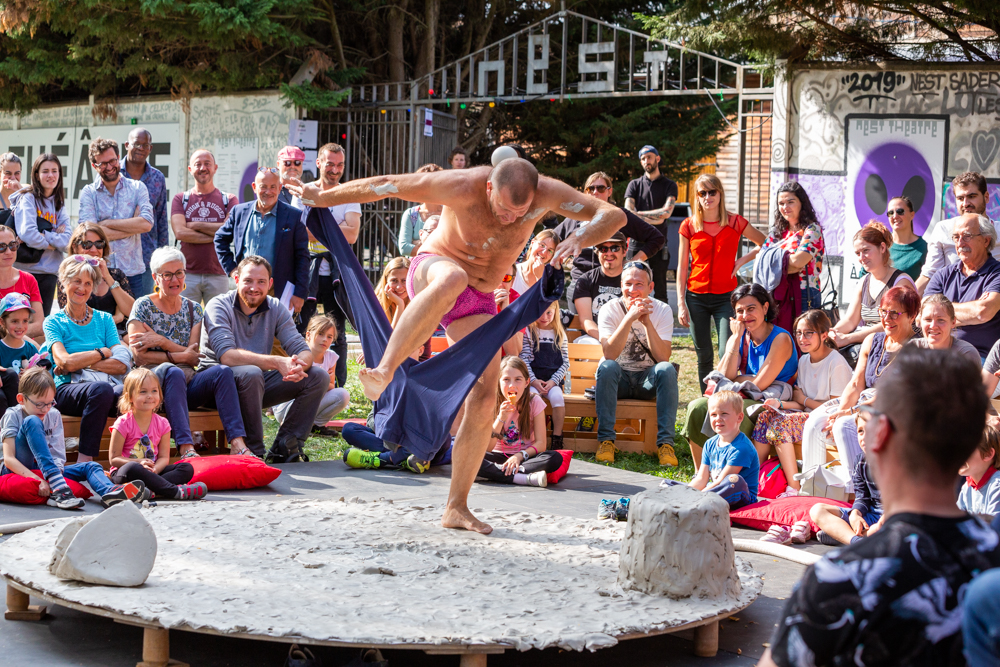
x: 889, y: 314
x: 805, y: 334
x: 273, y: 170
x: 87, y: 245
x: 86, y: 259
x: 597, y: 188
x: 110, y: 163
x: 897, y: 211
x: 41, y: 406
x: 289, y: 163
x: 636, y: 264
x: 12, y: 246
x: 962, y: 238
x: 707, y: 193
x: 614, y: 247
x: 168, y: 277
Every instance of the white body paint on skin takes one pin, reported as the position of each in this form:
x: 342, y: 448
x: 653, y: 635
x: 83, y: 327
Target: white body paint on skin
x: 534, y: 214
x: 570, y: 206
x: 380, y: 190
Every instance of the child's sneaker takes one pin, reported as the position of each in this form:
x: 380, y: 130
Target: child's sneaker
x: 415, y: 465
x: 135, y: 491
x: 621, y: 509
x: 607, y: 509
x: 539, y: 478
x: 64, y: 500
x: 359, y: 458
x: 195, y: 491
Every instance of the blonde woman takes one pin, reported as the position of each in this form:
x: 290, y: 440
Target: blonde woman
x: 546, y: 354
x: 706, y: 268
x: 391, y: 293
x: 540, y: 252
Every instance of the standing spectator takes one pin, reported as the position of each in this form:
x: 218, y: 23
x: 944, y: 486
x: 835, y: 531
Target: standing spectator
x: 232, y: 336
x: 41, y: 204
x: 323, y: 269
x: 599, y: 286
x: 636, y: 331
x: 196, y: 215
x: 268, y: 228
x: 290, y: 160
x: 10, y: 178
x: 137, y: 149
x: 652, y: 197
x: 896, y: 596
x: 908, y: 250
x: 458, y: 158
x: 19, y: 282
x: 796, y: 230
x: 412, y: 220
x: 121, y: 206
x: 711, y: 238
x: 111, y: 292
x: 970, y: 194
x: 972, y: 283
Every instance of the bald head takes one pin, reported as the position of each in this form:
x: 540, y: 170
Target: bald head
x: 138, y: 145
x: 516, y: 179
x: 267, y: 186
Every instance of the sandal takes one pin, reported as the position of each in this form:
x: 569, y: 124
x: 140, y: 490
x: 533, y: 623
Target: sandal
x: 190, y: 454
x: 242, y: 452
x: 801, y: 532
x: 777, y: 535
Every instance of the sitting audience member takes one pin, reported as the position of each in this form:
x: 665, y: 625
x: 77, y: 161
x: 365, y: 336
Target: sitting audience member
x: 391, y: 291
x: 636, y: 331
x: 32, y: 434
x: 164, y: 334
x: 839, y: 525
x: 88, y: 355
x: 823, y: 375
x: 111, y: 293
x: 15, y: 350
x: 370, y: 451
x: 757, y: 352
x: 517, y: 444
x: 15, y: 281
x: 140, y: 433
x: 972, y: 283
x: 320, y: 334
x: 981, y: 492
x: 937, y: 323
x: 908, y: 250
x: 599, y: 286
x: 546, y: 354
x: 895, y: 598
x: 540, y: 251
x: 980, y: 615
x: 239, y: 332
x: 729, y: 465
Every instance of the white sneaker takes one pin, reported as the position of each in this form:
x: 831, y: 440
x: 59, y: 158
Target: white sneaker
x: 539, y: 478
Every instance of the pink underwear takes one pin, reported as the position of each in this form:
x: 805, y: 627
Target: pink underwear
x: 469, y: 302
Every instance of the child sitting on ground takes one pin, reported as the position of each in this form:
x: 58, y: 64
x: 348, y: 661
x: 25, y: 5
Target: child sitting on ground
x: 139, y: 429
x: 981, y: 492
x: 32, y: 434
x: 370, y: 451
x: 517, y: 443
x: 546, y: 354
x: 15, y: 349
x: 321, y: 332
x: 839, y: 525
x: 729, y: 465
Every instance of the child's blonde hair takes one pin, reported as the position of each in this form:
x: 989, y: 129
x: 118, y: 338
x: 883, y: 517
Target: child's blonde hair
x: 990, y: 441
x: 394, y: 264
x: 558, y: 328
x: 729, y: 399
x: 35, y: 381
x: 320, y: 324
x: 523, y: 404
x: 133, y: 383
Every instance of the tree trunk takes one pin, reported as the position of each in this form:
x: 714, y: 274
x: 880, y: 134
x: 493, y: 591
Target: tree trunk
x: 432, y: 16
x: 335, y: 40
x: 397, y: 55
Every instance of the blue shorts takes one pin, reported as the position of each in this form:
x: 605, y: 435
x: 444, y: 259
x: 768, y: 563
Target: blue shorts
x: 871, y: 518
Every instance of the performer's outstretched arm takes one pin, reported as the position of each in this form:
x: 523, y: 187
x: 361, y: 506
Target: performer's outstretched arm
x: 605, y: 219
x: 429, y: 187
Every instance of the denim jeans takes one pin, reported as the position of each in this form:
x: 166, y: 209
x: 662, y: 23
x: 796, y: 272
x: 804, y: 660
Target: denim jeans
x: 213, y: 387
x: 93, y: 403
x: 147, y: 283
x: 811, y: 298
x: 981, y: 620
x: 135, y: 285
x: 704, y: 311
x: 658, y: 381
x: 364, y: 438
x: 31, y: 449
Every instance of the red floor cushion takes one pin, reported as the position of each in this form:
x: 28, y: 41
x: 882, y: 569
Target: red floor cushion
x: 567, y: 455
x: 222, y: 473
x: 15, y: 488
x: 781, y: 512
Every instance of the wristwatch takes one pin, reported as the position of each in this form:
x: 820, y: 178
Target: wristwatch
x: 115, y: 284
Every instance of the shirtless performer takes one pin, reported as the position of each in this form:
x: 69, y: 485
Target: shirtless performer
x: 489, y: 214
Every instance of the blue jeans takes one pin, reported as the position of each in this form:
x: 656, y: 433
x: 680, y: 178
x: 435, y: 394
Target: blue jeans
x: 31, y: 449
x: 364, y: 438
x: 658, y: 381
x: 135, y: 283
x: 706, y: 310
x: 811, y: 298
x: 213, y: 387
x: 147, y: 282
x: 981, y: 620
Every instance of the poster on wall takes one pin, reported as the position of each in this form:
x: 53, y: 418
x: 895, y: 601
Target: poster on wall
x: 71, y: 144
x: 237, y: 160
x: 889, y: 156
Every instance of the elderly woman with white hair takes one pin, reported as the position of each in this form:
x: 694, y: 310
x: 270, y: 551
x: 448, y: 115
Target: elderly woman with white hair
x: 164, y: 330
x: 88, y: 354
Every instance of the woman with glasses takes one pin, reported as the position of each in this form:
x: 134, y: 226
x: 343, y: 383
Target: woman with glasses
x: 796, y: 230
x: 706, y: 270
x: 111, y: 293
x: 908, y: 250
x: 164, y: 331
x: 42, y: 222
x: 13, y: 281
x: 412, y: 220
x: 540, y: 251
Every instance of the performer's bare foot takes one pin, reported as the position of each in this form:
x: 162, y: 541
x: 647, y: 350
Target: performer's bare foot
x: 455, y: 517
x: 374, y: 381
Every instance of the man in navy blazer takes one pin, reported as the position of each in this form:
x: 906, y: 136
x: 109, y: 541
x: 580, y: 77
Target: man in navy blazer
x: 271, y: 229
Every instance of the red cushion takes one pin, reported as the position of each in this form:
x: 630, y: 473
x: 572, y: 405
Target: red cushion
x: 222, y: 473
x: 15, y: 488
x: 781, y: 512
x: 567, y: 455
x: 772, y: 479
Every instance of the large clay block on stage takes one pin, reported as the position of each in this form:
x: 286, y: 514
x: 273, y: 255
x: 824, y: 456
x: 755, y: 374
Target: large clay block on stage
x: 678, y: 543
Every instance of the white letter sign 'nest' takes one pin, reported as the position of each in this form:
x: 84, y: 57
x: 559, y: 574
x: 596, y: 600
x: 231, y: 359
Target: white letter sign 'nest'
x: 376, y: 574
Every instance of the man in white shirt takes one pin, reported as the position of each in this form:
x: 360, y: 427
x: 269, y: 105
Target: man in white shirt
x: 635, y: 332
x: 970, y: 195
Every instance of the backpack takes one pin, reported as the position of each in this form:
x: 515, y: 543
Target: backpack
x: 25, y: 253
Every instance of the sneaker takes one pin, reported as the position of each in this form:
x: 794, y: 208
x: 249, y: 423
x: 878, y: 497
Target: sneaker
x: 195, y: 491
x: 826, y: 539
x: 606, y: 452
x: 539, y: 478
x: 413, y: 464
x: 586, y: 424
x: 777, y: 535
x: 64, y: 500
x: 801, y: 532
x: 359, y: 458
x: 621, y: 509
x: 667, y: 455
x: 135, y: 491
x: 72, y: 444
x: 607, y: 509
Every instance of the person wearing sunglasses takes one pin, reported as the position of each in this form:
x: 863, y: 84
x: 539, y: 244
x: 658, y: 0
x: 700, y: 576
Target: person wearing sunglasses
x: 15, y: 281
x: 599, y: 286
x: 111, y: 293
x: 908, y: 250
x: 137, y: 167
x: 708, y: 245
x: 290, y: 161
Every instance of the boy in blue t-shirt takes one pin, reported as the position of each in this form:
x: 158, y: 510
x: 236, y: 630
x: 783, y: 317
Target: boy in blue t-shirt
x: 729, y: 463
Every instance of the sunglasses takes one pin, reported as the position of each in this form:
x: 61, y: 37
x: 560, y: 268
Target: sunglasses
x: 86, y: 259
x: 12, y: 246
x: 597, y: 188
x: 636, y: 264
x: 289, y: 163
x: 897, y: 211
x: 508, y: 278
x: 707, y: 193
x: 87, y: 245
x: 608, y: 248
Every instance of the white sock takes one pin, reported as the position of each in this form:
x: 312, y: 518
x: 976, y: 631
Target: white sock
x: 520, y: 478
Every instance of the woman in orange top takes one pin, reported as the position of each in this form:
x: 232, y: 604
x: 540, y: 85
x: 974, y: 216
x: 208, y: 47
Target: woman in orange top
x: 706, y: 271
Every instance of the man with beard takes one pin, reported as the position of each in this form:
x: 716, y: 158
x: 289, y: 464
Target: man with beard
x: 120, y: 206
x: 239, y: 331
x: 652, y: 197
x: 196, y: 215
x: 136, y: 166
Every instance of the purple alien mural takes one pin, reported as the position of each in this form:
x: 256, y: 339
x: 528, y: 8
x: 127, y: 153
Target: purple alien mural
x: 889, y: 171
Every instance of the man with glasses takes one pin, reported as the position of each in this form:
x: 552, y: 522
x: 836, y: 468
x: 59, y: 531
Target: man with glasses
x: 268, y: 228
x: 137, y: 167
x: 121, y: 207
x: 290, y: 161
x: 652, y: 197
x: 599, y: 286
x: 196, y: 215
x: 972, y: 283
